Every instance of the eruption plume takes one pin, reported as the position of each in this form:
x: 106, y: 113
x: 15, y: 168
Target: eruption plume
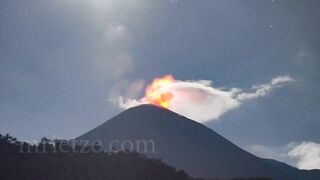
x: 199, y: 100
x: 157, y: 93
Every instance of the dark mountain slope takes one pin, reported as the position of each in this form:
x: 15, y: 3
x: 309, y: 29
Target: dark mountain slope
x: 186, y: 144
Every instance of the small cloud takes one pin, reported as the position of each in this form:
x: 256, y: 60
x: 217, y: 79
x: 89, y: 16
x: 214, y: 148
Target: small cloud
x: 303, y: 155
x: 306, y: 154
x: 200, y: 101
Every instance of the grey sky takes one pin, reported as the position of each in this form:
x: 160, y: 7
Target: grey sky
x: 61, y: 62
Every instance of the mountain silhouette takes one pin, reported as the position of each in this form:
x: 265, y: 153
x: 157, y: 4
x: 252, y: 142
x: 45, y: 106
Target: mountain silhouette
x: 188, y: 145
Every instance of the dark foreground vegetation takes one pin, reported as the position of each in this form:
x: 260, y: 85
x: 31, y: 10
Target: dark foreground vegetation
x: 43, y: 161
x: 32, y: 163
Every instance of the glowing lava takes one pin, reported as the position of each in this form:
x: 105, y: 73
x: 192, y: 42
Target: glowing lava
x: 156, y: 93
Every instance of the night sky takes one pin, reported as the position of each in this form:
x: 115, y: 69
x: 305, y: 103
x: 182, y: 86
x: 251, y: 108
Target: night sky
x: 63, y: 64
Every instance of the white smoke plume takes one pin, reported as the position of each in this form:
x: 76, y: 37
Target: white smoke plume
x: 200, y: 101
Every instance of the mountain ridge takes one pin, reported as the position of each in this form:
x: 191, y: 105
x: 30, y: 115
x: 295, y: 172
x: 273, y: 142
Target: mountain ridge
x: 186, y: 144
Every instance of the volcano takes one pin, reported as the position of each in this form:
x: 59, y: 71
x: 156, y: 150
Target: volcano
x: 188, y: 145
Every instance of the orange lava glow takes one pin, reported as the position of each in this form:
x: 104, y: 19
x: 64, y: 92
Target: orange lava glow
x: 156, y: 96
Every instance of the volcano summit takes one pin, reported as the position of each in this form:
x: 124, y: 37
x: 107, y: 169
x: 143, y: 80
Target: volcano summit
x: 186, y: 144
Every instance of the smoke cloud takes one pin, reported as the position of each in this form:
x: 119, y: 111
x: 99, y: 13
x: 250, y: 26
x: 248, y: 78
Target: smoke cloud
x: 200, y: 101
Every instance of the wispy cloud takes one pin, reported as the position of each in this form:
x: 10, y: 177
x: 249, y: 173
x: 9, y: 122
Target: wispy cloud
x: 263, y: 89
x: 200, y: 101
